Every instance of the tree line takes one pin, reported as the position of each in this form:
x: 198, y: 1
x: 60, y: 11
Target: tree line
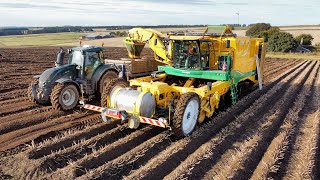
x: 279, y: 41
x: 24, y: 31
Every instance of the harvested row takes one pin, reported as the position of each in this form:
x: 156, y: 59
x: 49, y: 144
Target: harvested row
x: 11, y: 101
x: 166, y: 161
x: 58, y: 143
x: 104, y: 152
x: 13, y: 94
x: 254, y: 142
x: 275, y: 68
x: 272, y: 161
x: 14, y: 138
x: 8, y: 124
x: 302, y: 162
x: 12, y: 108
x: 79, y: 149
x: 132, y: 160
x: 210, y: 152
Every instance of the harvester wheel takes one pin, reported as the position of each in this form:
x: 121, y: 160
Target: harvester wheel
x: 186, y: 114
x: 107, y: 77
x: 110, y: 87
x: 64, y: 96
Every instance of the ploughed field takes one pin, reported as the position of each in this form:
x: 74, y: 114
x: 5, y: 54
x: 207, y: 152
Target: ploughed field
x: 273, y: 133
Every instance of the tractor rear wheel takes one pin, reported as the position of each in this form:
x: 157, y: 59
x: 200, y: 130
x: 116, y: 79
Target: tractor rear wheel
x: 186, y: 114
x: 106, y: 77
x: 64, y: 96
x: 110, y: 88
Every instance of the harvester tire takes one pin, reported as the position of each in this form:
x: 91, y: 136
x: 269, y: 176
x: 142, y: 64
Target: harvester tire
x: 106, y: 77
x: 186, y: 114
x: 64, y: 96
x: 109, y: 87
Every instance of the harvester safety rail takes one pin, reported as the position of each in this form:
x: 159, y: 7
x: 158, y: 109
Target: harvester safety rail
x: 116, y: 114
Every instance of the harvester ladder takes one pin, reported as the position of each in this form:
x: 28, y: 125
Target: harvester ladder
x: 233, y: 87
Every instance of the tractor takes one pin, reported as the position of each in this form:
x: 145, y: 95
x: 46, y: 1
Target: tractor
x: 83, y: 76
x: 203, y: 71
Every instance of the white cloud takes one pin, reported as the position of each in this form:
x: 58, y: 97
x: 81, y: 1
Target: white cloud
x: 143, y: 12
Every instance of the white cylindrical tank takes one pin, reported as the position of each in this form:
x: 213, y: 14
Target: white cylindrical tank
x: 134, y: 101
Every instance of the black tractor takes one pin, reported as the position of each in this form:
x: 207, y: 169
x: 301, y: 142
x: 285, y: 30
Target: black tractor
x: 81, y: 78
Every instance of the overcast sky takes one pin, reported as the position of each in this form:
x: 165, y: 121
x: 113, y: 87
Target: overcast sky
x: 157, y: 12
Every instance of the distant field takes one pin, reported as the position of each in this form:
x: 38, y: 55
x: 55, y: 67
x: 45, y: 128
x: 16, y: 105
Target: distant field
x: 39, y: 39
x: 306, y: 56
x: 72, y: 39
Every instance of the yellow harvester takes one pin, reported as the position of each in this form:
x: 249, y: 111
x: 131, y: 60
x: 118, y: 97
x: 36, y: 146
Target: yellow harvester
x: 202, y: 72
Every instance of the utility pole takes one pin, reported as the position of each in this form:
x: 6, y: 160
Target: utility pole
x: 238, y: 17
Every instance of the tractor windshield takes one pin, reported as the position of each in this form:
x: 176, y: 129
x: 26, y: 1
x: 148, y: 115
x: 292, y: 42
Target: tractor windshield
x: 76, y: 58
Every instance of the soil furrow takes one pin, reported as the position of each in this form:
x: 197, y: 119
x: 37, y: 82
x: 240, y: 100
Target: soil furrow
x: 272, y: 161
x: 104, y: 151
x: 258, y: 138
x: 16, y: 124
x: 80, y: 149
x: 301, y: 164
x: 13, y: 108
x: 27, y: 134
x: 163, y: 163
x: 132, y: 160
x: 69, y: 140
x: 12, y: 101
x: 13, y: 94
x: 210, y: 153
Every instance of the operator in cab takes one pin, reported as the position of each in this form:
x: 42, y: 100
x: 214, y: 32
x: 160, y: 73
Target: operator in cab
x: 192, y: 59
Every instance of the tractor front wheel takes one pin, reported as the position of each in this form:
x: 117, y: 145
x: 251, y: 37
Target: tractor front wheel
x: 186, y: 114
x: 64, y: 96
x: 110, y: 87
x: 32, y: 98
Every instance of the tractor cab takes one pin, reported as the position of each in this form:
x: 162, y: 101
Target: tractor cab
x: 87, y: 59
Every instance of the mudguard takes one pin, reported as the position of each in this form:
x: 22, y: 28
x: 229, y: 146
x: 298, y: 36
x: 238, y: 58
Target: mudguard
x: 102, y: 69
x: 66, y: 80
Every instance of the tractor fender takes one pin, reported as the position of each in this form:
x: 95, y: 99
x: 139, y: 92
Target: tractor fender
x: 66, y: 80
x: 99, y: 72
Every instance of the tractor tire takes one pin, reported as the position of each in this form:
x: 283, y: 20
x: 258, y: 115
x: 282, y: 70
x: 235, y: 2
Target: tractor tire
x: 32, y: 99
x: 186, y: 114
x: 29, y: 93
x: 64, y: 96
x: 106, y: 77
x: 110, y: 87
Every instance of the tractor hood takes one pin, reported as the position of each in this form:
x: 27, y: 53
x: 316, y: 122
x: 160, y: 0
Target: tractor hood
x: 49, y: 76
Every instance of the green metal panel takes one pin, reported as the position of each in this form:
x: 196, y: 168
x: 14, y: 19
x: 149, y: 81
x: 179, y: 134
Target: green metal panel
x: 206, y: 74
x: 201, y: 74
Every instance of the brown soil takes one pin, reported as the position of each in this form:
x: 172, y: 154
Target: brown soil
x: 272, y: 133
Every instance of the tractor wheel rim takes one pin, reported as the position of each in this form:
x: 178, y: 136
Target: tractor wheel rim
x: 68, y: 97
x: 190, y: 116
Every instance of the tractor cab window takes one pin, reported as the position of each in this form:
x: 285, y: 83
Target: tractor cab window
x: 76, y: 58
x: 91, y: 58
